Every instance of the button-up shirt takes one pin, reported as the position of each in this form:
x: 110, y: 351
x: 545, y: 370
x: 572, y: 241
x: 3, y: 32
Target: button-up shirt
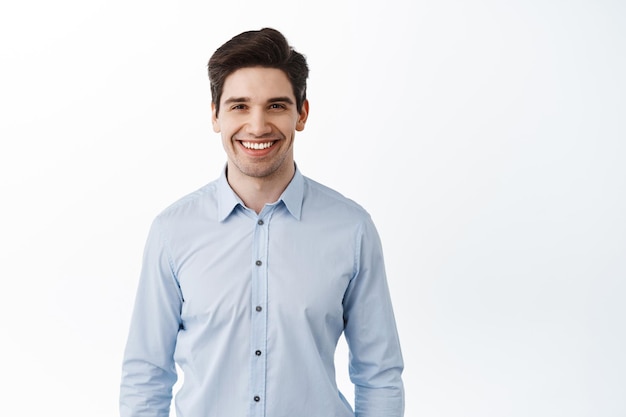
x: 251, y: 307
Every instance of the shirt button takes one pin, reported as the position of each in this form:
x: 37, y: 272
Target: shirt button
x: 257, y: 398
x: 259, y: 308
x: 258, y: 353
x: 259, y: 263
x: 260, y: 222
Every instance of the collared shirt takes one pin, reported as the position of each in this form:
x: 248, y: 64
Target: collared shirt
x: 251, y: 307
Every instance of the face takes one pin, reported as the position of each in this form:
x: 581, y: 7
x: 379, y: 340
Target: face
x: 258, y: 120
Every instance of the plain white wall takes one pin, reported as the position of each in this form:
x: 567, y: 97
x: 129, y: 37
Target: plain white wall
x: 486, y: 138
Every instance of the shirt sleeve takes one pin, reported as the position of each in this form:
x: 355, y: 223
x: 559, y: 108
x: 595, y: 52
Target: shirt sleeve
x: 376, y: 362
x: 148, y: 368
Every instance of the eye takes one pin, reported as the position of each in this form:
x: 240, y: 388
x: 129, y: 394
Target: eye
x: 277, y: 106
x: 238, y: 107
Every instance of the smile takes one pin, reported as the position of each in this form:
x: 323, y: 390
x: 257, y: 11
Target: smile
x: 257, y: 145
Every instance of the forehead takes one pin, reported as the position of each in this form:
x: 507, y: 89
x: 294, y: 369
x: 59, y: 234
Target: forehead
x: 258, y: 83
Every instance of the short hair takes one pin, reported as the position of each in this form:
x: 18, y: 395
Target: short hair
x: 258, y: 48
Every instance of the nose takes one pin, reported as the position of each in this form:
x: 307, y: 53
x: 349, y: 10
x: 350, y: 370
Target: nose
x: 257, y: 123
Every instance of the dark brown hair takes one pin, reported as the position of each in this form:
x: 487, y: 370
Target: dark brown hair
x: 258, y: 48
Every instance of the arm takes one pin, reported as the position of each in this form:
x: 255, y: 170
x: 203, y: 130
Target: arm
x: 375, y: 357
x: 148, y: 370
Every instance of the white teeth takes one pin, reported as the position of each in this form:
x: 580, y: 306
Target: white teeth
x: 257, y: 145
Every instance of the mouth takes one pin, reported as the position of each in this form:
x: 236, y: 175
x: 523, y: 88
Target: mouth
x: 257, y: 145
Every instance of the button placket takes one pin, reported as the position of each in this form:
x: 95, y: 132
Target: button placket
x: 259, y: 318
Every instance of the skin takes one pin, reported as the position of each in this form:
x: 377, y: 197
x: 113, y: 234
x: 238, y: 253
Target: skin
x: 257, y: 109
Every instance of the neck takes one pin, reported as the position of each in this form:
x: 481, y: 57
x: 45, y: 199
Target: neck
x: 256, y: 192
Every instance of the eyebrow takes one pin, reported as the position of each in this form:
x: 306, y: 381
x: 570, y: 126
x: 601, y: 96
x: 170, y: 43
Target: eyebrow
x: 280, y: 100
x: 284, y: 99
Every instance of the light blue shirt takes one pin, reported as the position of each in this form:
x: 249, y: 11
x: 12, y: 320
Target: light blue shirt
x: 251, y: 307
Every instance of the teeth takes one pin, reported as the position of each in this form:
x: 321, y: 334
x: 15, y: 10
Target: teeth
x: 257, y: 145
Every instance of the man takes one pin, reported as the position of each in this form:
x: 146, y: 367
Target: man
x: 248, y: 283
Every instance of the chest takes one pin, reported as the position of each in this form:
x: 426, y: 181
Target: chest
x: 225, y: 272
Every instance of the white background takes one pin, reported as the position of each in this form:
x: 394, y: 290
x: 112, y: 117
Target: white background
x: 486, y: 138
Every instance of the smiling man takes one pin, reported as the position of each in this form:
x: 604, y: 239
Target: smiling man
x: 248, y: 283
x: 258, y: 118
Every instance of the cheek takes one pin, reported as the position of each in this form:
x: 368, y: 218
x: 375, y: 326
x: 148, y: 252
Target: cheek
x: 286, y: 126
x: 222, y: 126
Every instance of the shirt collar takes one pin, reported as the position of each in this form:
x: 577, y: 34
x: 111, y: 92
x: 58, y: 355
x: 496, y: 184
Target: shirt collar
x: 292, y: 197
x: 227, y: 200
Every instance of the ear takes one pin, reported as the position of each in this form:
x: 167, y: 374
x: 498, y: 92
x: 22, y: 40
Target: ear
x: 216, y: 123
x: 304, y: 114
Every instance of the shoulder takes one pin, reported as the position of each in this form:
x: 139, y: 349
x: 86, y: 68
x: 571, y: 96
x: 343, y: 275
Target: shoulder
x: 192, y: 204
x: 329, y: 201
